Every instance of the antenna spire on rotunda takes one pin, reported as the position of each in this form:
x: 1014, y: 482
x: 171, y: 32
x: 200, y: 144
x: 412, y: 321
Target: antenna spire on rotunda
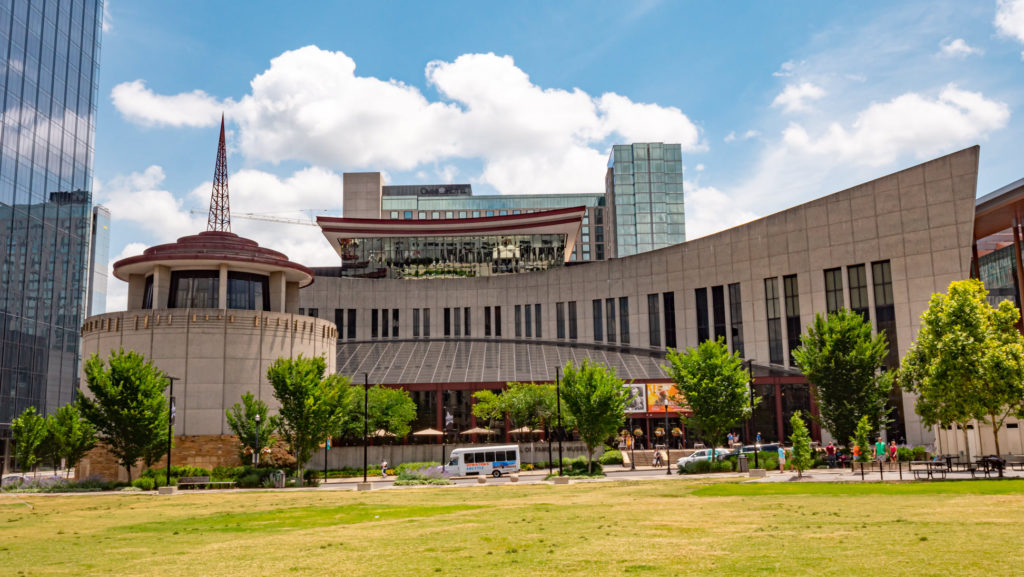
x: 220, y: 206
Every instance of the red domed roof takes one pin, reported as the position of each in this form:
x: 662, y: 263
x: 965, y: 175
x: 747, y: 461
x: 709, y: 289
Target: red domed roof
x: 213, y: 247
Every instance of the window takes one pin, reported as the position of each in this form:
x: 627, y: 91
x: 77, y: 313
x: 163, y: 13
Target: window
x: 249, y: 292
x: 653, y: 321
x: 384, y: 332
x: 560, y: 320
x: 736, y: 318
x: 572, y: 320
x: 194, y: 290
x: 315, y: 313
x: 339, y: 321
x: 609, y: 309
x: 466, y: 321
x: 718, y: 310
x: 302, y: 311
x: 519, y: 319
x: 447, y: 322
x: 701, y: 296
x: 497, y: 321
x: 598, y: 333
x: 457, y: 321
x: 529, y: 322
x: 771, y: 299
x: 351, y: 318
x: 373, y: 324
x: 792, y: 292
x: 669, y: 302
x: 487, y: 321
x: 833, y: 290
x: 147, y: 294
x: 536, y: 319
x: 624, y: 320
x: 885, y: 309
x: 858, y: 290
x: 394, y: 323
x: 415, y: 323
x: 426, y: 323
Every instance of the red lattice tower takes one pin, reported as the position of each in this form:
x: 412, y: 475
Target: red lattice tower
x: 220, y: 206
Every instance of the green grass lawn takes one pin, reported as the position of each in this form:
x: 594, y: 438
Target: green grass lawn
x: 672, y: 527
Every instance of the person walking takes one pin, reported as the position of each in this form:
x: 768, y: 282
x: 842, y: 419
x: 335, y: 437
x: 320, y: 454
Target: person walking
x: 894, y: 460
x: 880, y: 452
x: 830, y: 450
x: 759, y: 437
x: 384, y: 468
x: 856, y: 456
x: 782, y: 459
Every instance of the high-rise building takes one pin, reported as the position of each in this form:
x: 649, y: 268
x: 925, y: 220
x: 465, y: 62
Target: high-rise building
x: 644, y: 189
x: 49, y: 60
x: 99, y: 254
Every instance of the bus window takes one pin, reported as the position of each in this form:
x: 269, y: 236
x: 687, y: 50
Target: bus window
x: 470, y: 458
x: 490, y: 457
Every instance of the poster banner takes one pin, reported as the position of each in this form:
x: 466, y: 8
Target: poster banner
x: 637, y: 398
x: 656, y: 395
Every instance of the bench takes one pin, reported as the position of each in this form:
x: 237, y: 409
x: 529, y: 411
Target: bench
x: 1015, y: 462
x: 927, y: 469
x: 197, y: 482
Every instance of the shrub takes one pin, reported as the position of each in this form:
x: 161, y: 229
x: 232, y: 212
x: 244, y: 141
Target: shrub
x: 414, y: 466
x: 704, y: 466
x: 144, y: 483
x: 428, y: 475
x: 611, y: 457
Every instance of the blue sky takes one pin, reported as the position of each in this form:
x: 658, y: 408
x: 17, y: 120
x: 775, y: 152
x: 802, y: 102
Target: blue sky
x: 774, y: 103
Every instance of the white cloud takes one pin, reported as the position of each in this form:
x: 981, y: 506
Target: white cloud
x: 140, y: 104
x: 699, y: 168
x: 795, y: 96
x: 709, y: 210
x: 787, y: 69
x: 958, y: 48
x: 117, y: 290
x: 140, y: 198
x: 311, y: 106
x: 106, y: 23
x: 745, y: 136
x: 447, y: 173
x: 1010, y: 19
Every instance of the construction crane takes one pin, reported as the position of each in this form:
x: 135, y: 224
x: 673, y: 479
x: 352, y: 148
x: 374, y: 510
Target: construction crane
x: 263, y: 217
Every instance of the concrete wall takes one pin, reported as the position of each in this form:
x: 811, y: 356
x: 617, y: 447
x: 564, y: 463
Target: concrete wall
x: 361, y: 195
x: 919, y: 219
x: 217, y: 354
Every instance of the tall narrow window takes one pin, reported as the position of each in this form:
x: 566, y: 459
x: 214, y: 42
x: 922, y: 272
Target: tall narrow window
x: 858, y: 290
x: 598, y: 332
x: 774, y: 313
x: 536, y: 320
x: 529, y: 320
x: 384, y: 332
x: 147, y: 293
x: 394, y: 323
x: 339, y: 321
x: 415, y: 323
x: 572, y: 320
x: 703, y: 332
x: 833, y: 290
x: 792, y: 292
x: 718, y: 310
x: 315, y: 313
x: 457, y: 321
x: 519, y: 320
x: 487, y: 321
x: 426, y: 323
x: 466, y: 322
x: 653, y: 321
x: 736, y: 318
x: 560, y: 320
x: 669, y: 304
x: 351, y: 318
x: 447, y: 322
x: 624, y: 320
x: 885, y: 309
x: 609, y: 310
x: 373, y: 323
x: 497, y: 321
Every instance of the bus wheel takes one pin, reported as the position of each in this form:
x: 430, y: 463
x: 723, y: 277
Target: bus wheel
x: 496, y: 473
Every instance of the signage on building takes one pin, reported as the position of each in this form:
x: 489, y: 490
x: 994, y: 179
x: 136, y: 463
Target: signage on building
x: 658, y: 394
x: 637, y: 398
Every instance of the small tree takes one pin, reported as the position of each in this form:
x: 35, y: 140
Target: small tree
x: 50, y: 449
x: 714, y: 384
x: 861, y: 436
x: 526, y: 405
x: 839, y: 355
x: 127, y: 407
x: 803, y: 457
x: 313, y: 407
x: 252, y: 435
x: 29, y: 431
x: 77, y: 435
x: 390, y: 410
x: 597, y: 401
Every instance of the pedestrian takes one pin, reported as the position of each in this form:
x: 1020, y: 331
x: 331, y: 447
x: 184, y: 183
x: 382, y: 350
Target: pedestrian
x: 830, y: 450
x: 657, y: 458
x: 880, y: 452
x: 758, y: 437
x: 730, y: 439
x: 856, y: 456
x: 384, y: 468
x: 893, y: 455
x: 782, y: 459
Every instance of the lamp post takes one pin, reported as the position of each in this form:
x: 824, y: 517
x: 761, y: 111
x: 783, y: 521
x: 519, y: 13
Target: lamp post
x: 637, y: 433
x: 632, y: 446
x: 170, y: 425
x: 750, y: 419
x: 366, y: 419
x: 668, y: 461
x: 256, y: 455
x: 558, y: 401
x: 444, y: 429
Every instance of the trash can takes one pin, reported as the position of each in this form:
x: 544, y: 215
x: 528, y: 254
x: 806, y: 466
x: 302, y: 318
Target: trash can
x: 741, y: 464
x: 279, y: 478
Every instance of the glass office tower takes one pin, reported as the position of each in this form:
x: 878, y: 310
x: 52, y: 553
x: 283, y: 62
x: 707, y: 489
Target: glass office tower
x: 50, y: 55
x: 644, y: 188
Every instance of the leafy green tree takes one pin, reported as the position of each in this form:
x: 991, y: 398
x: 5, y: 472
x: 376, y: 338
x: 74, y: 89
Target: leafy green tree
x: 391, y: 410
x: 714, y: 385
x: 29, y: 431
x: 252, y: 435
x: 50, y: 448
x: 861, y: 437
x: 127, y: 407
x: 526, y: 405
x: 967, y: 361
x: 802, y: 457
x: 77, y: 436
x: 313, y: 407
x: 597, y: 401
x: 839, y: 355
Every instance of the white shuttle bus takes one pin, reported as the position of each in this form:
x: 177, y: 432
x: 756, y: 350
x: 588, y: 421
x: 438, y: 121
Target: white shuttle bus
x: 493, y: 461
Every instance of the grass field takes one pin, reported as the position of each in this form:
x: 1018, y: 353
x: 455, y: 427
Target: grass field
x: 675, y: 527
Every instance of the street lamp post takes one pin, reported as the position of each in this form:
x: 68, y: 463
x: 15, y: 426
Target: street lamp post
x: 558, y: 401
x: 750, y: 419
x: 632, y: 446
x: 366, y: 419
x: 668, y: 461
x: 444, y: 429
x: 170, y: 425
x: 256, y: 455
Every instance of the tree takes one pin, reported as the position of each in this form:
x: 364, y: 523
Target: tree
x: 313, y: 407
x: 803, y: 458
x: 597, y: 401
x: 29, y: 431
x: 77, y: 436
x: 839, y: 355
x: 714, y: 385
x: 861, y: 436
x: 127, y: 407
x: 526, y: 405
x: 390, y: 410
x: 252, y: 435
x: 967, y: 361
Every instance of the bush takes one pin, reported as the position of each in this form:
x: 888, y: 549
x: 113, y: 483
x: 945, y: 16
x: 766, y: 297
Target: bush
x: 414, y: 466
x: 611, y: 457
x: 428, y: 475
x: 144, y: 483
x: 703, y: 466
x: 57, y: 484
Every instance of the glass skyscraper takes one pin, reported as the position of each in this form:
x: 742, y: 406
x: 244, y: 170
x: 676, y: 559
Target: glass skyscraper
x: 49, y: 51
x: 644, y: 188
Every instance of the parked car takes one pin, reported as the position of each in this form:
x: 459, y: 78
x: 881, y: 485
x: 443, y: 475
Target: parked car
x: 701, y: 455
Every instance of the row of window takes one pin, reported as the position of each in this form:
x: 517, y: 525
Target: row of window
x: 531, y: 315
x: 560, y: 323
